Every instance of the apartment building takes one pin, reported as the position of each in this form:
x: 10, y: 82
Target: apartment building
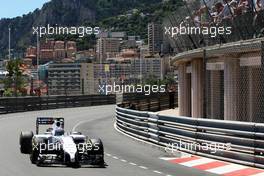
x: 155, y: 36
x: 148, y: 67
x: 64, y: 79
x: 107, y: 48
x: 71, y: 49
x: 51, y: 50
x: 78, y: 78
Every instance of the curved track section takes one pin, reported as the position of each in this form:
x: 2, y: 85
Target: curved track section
x: 124, y: 156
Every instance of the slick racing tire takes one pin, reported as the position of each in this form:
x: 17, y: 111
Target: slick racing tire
x: 98, y: 151
x: 36, y: 150
x: 26, y: 142
x: 34, y: 156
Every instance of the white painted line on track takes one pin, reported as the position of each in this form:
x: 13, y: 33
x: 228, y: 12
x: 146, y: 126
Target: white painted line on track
x: 108, y: 154
x: 142, y: 167
x: 168, y: 158
x: 79, y: 123
x: 157, y: 172
x: 134, y: 164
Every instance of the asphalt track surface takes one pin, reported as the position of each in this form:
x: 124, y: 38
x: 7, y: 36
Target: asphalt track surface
x: 123, y: 155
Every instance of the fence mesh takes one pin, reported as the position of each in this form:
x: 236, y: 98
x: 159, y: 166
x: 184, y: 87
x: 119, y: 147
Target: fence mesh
x: 234, y: 85
x: 226, y: 85
x: 241, y: 20
x: 232, y: 73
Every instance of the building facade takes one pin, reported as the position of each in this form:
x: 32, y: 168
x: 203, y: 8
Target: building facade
x: 51, y: 50
x: 64, y: 79
x: 107, y: 48
x: 155, y: 38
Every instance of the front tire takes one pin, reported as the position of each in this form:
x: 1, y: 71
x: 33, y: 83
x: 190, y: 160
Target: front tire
x: 34, y: 157
x: 98, y: 151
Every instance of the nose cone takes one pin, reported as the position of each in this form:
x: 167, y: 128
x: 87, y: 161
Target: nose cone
x: 72, y: 156
x: 69, y: 147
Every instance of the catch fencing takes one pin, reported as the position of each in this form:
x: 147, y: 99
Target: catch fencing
x: 243, y: 21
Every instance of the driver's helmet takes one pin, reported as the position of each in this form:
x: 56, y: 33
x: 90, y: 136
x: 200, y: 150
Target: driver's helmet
x: 58, y: 124
x: 58, y: 132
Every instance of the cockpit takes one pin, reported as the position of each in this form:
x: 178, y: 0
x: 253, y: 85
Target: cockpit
x: 59, y: 132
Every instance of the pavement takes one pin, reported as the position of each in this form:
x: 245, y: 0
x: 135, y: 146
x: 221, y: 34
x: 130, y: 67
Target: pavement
x: 123, y: 155
x: 172, y: 112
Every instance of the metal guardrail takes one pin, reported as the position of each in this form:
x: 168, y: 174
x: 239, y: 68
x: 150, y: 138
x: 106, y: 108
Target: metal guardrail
x: 233, y: 141
x: 154, y: 102
x: 21, y: 104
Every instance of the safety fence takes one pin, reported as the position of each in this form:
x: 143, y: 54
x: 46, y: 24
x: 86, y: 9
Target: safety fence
x: 20, y: 104
x: 153, y: 102
x: 195, y: 24
x: 238, y: 142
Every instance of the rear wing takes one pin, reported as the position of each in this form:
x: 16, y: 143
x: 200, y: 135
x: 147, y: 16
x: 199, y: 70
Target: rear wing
x: 48, y: 121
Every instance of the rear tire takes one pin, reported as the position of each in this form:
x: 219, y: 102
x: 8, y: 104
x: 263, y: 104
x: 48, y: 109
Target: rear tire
x: 26, y: 142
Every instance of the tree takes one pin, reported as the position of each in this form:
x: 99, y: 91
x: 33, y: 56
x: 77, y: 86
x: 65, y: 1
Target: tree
x: 14, y: 80
x: 151, y: 80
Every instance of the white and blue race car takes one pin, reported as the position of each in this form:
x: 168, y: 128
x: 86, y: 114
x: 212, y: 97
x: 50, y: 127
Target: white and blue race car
x: 55, y: 146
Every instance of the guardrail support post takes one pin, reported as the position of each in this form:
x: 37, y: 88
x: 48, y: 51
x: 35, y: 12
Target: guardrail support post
x: 153, y: 129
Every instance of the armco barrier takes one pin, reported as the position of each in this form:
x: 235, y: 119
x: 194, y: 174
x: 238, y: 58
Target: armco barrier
x: 153, y: 102
x: 21, y: 104
x: 238, y: 142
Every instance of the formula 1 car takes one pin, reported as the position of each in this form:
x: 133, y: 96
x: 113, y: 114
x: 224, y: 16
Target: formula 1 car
x: 55, y: 146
